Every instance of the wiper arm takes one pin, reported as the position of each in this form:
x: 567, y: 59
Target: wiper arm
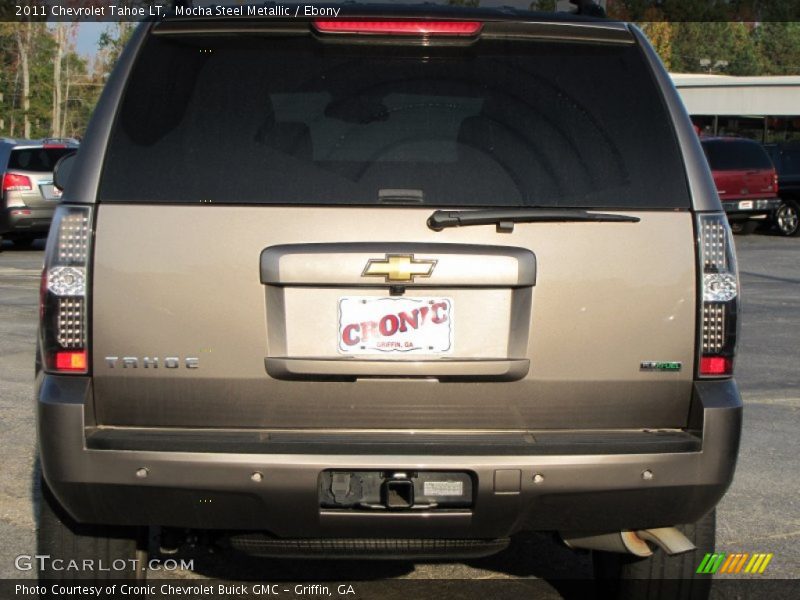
x: 505, y: 218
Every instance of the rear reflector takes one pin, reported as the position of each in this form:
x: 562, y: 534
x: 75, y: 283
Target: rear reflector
x: 71, y: 361
x: 418, y: 28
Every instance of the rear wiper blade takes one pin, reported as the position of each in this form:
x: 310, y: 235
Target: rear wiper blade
x: 505, y: 218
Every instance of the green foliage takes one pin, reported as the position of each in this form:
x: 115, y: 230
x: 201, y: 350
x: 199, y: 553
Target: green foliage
x: 113, y: 40
x: 80, y: 88
x: 41, y: 75
x: 727, y: 47
x: 660, y: 34
x: 779, y: 48
x: 41, y: 69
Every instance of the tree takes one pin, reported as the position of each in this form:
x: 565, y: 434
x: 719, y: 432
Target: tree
x: 719, y: 46
x: 82, y: 91
x: 60, y: 36
x: 112, y: 42
x: 24, y: 37
x: 660, y: 34
x: 745, y: 59
x: 779, y: 48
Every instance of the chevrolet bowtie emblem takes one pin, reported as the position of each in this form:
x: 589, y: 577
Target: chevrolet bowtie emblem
x: 398, y: 267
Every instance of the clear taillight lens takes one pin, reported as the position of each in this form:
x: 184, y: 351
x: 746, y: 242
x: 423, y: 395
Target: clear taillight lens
x: 64, y: 311
x: 719, y: 301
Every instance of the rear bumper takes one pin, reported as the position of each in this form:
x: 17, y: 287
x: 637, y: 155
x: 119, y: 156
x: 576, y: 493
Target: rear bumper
x: 745, y: 209
x: 23, y: 220
x: 585, y: 490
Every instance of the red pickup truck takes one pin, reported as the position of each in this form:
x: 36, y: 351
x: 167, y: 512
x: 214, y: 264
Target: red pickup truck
x: 746, y: 180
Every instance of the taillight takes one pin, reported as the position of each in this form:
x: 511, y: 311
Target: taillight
x: 719, y: 299
x: 418, y: 28
x: 14, y: 182
x: 63, y: 296
x: 774, y: 182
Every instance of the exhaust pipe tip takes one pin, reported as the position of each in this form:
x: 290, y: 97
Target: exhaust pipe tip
x: 670, y: 539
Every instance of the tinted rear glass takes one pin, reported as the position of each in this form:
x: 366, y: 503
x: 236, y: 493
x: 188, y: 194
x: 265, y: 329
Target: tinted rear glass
x: 36, y: 159
x: 790, y: 162
x: 299, y: 121
x: 727, y: 155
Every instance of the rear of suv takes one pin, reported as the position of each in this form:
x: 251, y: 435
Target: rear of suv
x: 746, y: 180
x: 390, y: 285
x: 28, y: 196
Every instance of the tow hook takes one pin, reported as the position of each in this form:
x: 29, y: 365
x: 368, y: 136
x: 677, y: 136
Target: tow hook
x: 670, y: 539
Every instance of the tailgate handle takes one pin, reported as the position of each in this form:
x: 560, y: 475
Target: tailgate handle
x: 344, y: 264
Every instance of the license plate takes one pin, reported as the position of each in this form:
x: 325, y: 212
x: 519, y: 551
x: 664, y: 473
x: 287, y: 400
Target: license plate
x: 381, y: 325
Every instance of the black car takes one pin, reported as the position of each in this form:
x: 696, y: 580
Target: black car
x: 786, y: 157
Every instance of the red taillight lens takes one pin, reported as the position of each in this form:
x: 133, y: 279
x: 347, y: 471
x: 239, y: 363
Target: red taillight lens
x: 718, y: 318
x: 64, y: 304
x: 71, y: 361
x: 13, y: 182
x: 716, y: 365
x: 418, y: 28
x: 775, y: 182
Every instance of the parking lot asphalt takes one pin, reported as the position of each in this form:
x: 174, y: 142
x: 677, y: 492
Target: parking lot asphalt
x: 760, y: 513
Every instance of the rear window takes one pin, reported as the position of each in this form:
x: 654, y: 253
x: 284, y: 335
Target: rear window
x: 735, y: 155
x: 299, y: 121
x: 790, y: 161
x: 36, y: 159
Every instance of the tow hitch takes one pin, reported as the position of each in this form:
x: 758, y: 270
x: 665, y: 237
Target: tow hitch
x: 395, y: 490
x: 398, y: 492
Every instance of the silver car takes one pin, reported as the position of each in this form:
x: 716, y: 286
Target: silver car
x: 28, y: 196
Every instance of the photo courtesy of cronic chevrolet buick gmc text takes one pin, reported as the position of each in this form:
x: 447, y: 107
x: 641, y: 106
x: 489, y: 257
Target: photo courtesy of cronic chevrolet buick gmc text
x: 394, y: 285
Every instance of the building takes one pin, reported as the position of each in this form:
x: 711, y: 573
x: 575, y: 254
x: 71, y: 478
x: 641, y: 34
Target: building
x: 766, y: 109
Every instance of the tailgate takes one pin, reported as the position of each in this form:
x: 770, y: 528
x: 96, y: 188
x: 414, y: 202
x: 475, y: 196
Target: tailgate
x: 547, y: 326
x: 267, y: 264
x: 745, y: 185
